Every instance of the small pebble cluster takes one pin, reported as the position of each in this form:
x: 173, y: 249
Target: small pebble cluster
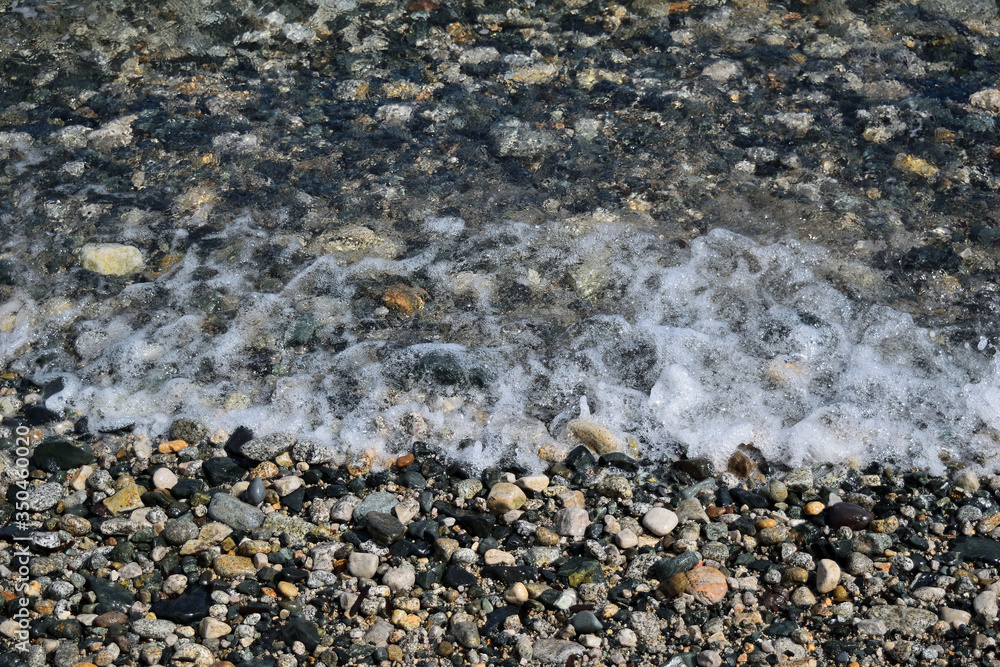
x: 218, y: 549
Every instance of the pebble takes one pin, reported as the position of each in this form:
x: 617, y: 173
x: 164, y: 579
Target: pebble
x: 555, y: 651
x: 707, y: 584
x: 164, y: 478
x: 985, y: 605
x: 659, y: 521
x: 231, y: 567
x: 362, y: 565
x: 210, y: 628
x: 504, y: 497
x: 827, y: 575
x: 151, y: 628
x: 235, y: 513
x: 268, y: 447
x: 849, y: 515
x: 287, y: 485
x: 111, y: 259
x: 399, y: 579
x: 571, y: 522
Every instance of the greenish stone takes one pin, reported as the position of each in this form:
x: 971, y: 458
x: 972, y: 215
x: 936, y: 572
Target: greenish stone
x: 579, y: 570
x: 668, y: 567
x: 715, y: 532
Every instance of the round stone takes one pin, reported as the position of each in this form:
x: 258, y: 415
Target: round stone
x: 659, y: 521
x: 164, y: 478
x: 814, y: 508
x: 707, y: 584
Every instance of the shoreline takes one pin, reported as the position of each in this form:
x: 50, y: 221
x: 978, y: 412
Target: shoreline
x: 231, y: 551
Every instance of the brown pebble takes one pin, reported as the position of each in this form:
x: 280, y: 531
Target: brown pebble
x: 404, y: 461
x: 714, y: 512
x: 546, y: 537
x: 796, y: 575
x: 840, y: 594
x: 766, y: 523
x: 110, y: 619
x: 675, y: 585
x: 741, y: 465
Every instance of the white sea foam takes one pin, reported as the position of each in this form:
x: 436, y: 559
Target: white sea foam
x: 694, y: 349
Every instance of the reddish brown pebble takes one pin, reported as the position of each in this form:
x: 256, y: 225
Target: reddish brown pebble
x: 404, y: 461
x: 741, y: 465
x: 111, y: 619
x: 850, y: 515
x: 707, y: 584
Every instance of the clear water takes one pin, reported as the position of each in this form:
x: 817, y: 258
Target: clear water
x: 683, y: 347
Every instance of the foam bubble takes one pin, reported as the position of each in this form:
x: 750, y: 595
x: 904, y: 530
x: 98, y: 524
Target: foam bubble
x: 697, y: 349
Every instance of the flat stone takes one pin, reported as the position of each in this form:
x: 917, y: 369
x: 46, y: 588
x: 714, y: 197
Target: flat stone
x: 555, y: 651
x: 126, y: 500
x: 267, y: 447
x: 906, y: 620
x: 977, y: 548
x: 384, y: 528
x: 194, y: 655
x: 44, y: 497
x: 659, y: 521
x: 60, y: 455
x: 230, y: 567
x: 235, y: 513
x: 111, y: 259
x: 190, y: 431
x: 221, y: 470
x: 153, y: 628
x: 375, y: 502
x: 690, y: 509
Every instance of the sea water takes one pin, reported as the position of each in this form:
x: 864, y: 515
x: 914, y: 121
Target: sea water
x: 682, y: 347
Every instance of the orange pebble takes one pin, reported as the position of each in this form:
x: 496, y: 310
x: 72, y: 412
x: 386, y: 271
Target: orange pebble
x: 172, y: 446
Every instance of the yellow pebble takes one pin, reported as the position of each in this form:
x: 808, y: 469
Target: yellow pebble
x: 766, y: 523
x: 814, y: 508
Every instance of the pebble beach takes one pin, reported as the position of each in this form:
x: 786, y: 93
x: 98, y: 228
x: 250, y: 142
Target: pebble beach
x: 499, y: 333
x: 219, y: 549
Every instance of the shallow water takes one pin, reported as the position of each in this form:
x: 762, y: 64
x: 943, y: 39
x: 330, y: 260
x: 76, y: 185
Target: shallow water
x: 681, y: 347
